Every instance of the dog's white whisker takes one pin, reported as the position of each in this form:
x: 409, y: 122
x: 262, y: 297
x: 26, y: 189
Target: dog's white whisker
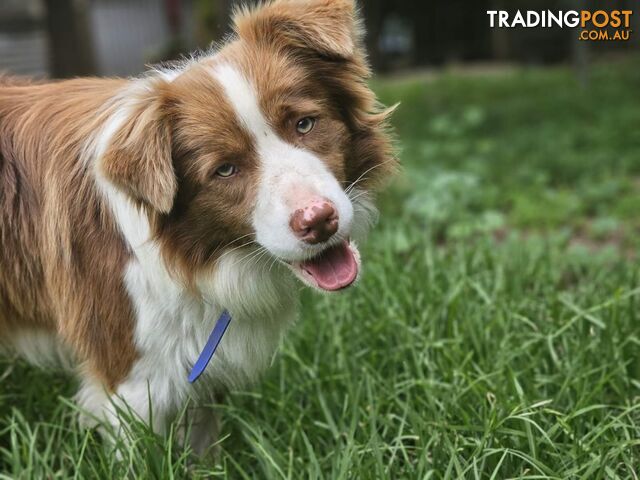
x: 362, y: 175
x: 227, y: 252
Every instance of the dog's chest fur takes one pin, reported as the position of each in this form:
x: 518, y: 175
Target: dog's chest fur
x: 172, y: 324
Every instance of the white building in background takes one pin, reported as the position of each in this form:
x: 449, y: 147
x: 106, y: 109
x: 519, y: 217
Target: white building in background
x: 126, y: 35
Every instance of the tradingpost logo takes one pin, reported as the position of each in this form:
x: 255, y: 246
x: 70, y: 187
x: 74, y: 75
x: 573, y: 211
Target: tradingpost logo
x: 598, y: 25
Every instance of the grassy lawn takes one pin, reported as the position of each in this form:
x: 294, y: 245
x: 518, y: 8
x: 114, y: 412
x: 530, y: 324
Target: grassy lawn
x: 496, y: 333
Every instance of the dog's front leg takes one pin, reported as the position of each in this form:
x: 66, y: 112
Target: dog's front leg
x: 200, y: 429
x: 115, y: 411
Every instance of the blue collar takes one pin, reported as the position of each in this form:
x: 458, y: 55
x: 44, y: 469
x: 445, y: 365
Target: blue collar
x: 211, y: 346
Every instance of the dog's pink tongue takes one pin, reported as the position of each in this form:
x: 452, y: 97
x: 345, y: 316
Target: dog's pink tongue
x: 334, y: 269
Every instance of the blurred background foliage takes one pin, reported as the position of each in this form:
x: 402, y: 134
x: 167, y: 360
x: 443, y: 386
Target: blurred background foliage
x: 520, y: 149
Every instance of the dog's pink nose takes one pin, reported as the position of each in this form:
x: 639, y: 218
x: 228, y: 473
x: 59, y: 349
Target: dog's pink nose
x: 316, y: 222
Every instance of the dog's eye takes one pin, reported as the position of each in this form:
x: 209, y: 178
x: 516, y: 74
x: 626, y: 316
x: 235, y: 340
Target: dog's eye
x: 227, y: 170
x: 305, y: 125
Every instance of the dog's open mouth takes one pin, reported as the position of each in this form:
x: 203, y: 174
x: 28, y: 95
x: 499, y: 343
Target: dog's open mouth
x: 334, y: 269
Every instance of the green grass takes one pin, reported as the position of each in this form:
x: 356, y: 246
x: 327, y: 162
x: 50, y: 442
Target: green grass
x: 496, y: 333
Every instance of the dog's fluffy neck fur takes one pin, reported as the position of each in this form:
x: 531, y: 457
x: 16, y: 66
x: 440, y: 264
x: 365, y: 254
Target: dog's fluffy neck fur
x: 174, y: 320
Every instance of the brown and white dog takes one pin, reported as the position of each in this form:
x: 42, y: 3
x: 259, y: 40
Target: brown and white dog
x: 133, y: 212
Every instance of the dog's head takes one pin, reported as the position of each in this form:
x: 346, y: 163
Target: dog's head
x: 275, y: 143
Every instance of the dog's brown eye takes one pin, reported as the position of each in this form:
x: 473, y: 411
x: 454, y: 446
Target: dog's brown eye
x: 227, y: 170
x: 305, y: 125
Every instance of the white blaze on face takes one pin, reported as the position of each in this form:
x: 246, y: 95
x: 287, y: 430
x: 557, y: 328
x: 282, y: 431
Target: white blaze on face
x: 289, y: 176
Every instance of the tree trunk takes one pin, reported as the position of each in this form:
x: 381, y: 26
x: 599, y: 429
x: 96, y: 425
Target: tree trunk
x: 580, y: 53
x: 70, y: 46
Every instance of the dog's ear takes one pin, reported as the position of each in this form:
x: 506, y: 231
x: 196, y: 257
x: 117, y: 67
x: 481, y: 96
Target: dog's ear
x: 138, y: 158
x: 328, y: 27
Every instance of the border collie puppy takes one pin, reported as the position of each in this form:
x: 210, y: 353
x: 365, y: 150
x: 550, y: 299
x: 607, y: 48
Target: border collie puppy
x: 133, y: 212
